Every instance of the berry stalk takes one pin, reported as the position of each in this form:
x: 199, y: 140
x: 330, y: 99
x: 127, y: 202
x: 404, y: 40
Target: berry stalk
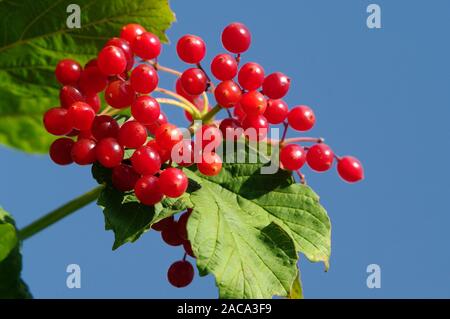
x: 59, y: 213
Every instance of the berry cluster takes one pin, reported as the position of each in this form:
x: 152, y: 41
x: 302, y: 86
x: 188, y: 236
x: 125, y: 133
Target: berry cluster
x: 145, y: 152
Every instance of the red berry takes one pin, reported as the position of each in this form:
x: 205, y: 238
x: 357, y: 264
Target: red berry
x: 253, y: 103
x: 183, y: 153
x: 301, y: 118
x: 255, y: 127
x: 153, y: 127
x: 104, y: 126
x: 69, y: 95
x: 119, y: 94
x: 109, y: 152
x: 146, y: 46
x: 182, y: 225
x: 191, y: 48
x: 210, y: 164
x: 60, y: 151
x: 92, y: 80
x: 227, y: 94
x: 208, y: 136
x: 94, y: 102
x: 146, y: 160
x: 164, y: 154
x: 68, y: 72
x: 350, y: 169
x: 188, y: 248
x: 320, y: 157
x: 144, y: 79
x: 168, y: 135
x: 180, y: 274
x: 82, y: 115
x: 85, y: 134
x: 231, y: 129
x: 194, y: 81
x: 124, y: 177
x: 236, y: 38
x: 181, y: 91
x: 276, y: 111
x: 57, y: 121
x: 130, y: 31
x: 125, y: 46
x: 171, y: 237
x: 173, y: 182
x: 251, y: 76
x: 147, y: 190
x: 239, y: 113
x: 164, y: 224
x: 111, y: 60
x: 276, y: 85
x: 132, y: 134
x: 292, y: 157
x: 224, y: 67
x: 83, y: 151
x: 145, y: 109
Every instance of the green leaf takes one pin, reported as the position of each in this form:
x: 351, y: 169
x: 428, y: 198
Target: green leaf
x: 11, y: 285
x: 228, y: 229
x: 36, y: 38
x: 296, y: 289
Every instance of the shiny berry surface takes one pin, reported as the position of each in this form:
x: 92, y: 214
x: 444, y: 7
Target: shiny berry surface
x: 301, y: 118
x: 57, y: 121
x: 251, y: 76
x: 320, y: 157
x: 167, y: 135
x: 191, y: 48
x: 236, y: 38
x: 224, y: 67
x: 132, y: 134
x: 180, y: 274
x: 146, y: 46
x: 227, y: 94
x: 210, y: 164
x: 109, y: 152
x: 68, y: 72
x: 144, y: 79
x: 292, y: 157
x: 104, y: 126
x: 276, y: 85
x: 147, y: 190
x: 231, y: 129
x: 350, y: 169
x: 173, y: 182
x: 194, y: 81
x: 92, y: 80
x: 83, y: 151
x: 111, y: 60
x: 253, y: 103
x: 145, y: 109
x: 69, y: 95
x: 146, y: 160
x: 124, y: 177
x: 130, y: 31
x: 60, y: 151
x: 255, y: 126
x: 119, y: 94
x: 276, y: 111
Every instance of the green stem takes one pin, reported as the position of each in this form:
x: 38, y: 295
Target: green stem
x: 60, y: 213
x: 208, y: 117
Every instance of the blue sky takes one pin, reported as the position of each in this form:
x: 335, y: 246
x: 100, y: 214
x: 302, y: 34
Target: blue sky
x: 381, y: 95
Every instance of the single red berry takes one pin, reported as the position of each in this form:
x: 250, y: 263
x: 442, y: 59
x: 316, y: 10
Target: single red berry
x: 146, y: 46
x: 132, y: 134
x: 182, y: 225
x: 191, y: 48
x: 209, y: 136
x: 194, y: 81
x: 147, y: 190
x: 276, y: 111
x: 83, y: 151
x: 251, y: 76
x: 119, y: 94
x: 224, y: 67
x: 171, y: 237
x: 350, y: 169
x: 92, y: 80
x: 164, y: 154
x: 68, y: 72
x: 111, y: 60
x: 60, y: 151
x: 231, y: 129
x: 124, y: 177
x: 183, y: 153
x: 164, y: 224
x: 180, y: 274
x: 130, y: 31
x: 227, y: 94
x: 109, y: 152
x: 168, y: 135
x: 276, y: 85
x: 188, y: 248
x: 320, y: 157
x: 253, y: 103
x: 104, y: 126
x: 146, y: 160
x: 144, y: 79
x: 126, y: 48
x: 57, y: 121
x: 69, y: 95
x: 239, y: 113
x: 292, y: 157
x: 145, y: 109
x: 181, y: 91
x: 255, y: 126
x: 82, y: 115
x: 173, y: 182
x: 301, y: 118
x: 153, y: 127
x: 210, y: 164
x: 94, y: 102
x: 236, y: 38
